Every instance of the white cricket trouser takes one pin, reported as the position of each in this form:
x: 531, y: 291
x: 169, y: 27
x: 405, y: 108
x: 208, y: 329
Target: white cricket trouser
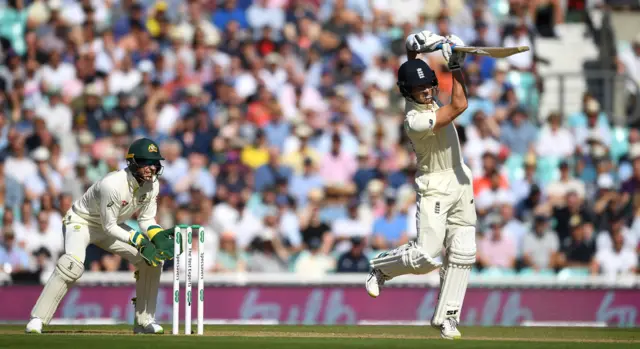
x: 78, y: 234
x: 445, y: 202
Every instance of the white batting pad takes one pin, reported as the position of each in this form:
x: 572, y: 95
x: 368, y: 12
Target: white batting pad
x: 406, y: 259
x: 68, y: 270
x: 461, y: 256
x: 147, y: 283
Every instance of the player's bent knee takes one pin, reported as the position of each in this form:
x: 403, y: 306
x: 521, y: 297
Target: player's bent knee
x: 422, y: 263
x: 69, y: 268
x: 462, y: 249
x: 406, y: 259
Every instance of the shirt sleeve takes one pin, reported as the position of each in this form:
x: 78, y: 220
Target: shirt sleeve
x: 109, y: 208
x: 147, y: 215
x: 420, y: 122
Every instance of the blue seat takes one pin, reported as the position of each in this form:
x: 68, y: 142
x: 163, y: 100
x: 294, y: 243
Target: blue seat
x: 524, y: 84
x: 497, y: 272
x: 619, y: 142
x: 530, y: 272
x: 109, y: 102
x: 573, y: 273
x: 499, y: 8
x: 371, y: 254
x: 292, y: 261
x: 515, y: 167
x: 547, y: 169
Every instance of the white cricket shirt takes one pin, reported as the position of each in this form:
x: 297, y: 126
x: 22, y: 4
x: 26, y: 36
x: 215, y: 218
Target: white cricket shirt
x: 114, y: 199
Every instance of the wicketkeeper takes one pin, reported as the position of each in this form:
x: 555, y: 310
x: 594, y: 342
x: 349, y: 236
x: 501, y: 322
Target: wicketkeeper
x: 446, y: 214
x: 97, y: 218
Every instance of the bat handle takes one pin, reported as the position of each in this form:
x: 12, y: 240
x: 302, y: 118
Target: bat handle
x: 453, y: 46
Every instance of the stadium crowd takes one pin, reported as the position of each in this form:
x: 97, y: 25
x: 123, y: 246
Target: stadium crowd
x: 282, y: 131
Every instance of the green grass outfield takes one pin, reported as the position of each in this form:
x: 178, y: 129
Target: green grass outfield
x: 322, y: 337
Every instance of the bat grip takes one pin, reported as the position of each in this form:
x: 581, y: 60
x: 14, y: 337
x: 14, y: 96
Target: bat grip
x: 453, y: 46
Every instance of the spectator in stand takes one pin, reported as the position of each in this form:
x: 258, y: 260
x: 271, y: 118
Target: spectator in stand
x: 44, y: 265
x: 617, y: 226
x: 348, y: 227
x: 268, y: 255
x: 390, y: 230
x: 480, y: 141
x: 312, y: 227
x: 572, y: 209
x: 554, y: 139
x: 11, y: 191
x: 578, y: 249
x: 522, y: 188
x: 314, y: 262
x: 558, y: 190
x: 269, y: 173
x: 483, y: 181
x: 43, y: 237
x: 513, y: 227
x: 540, y: 246
x: 355, y: 260
x: 520, y: 37
x: 490, y: 198
x: 13, y: 258
x: 493, y: 89
x: 610, y: 203
x: 230, y: 258
x: 519, y: 134
x: 230, y: 12
x: 591, y: 125
x: 617, y: 260
x: 495, y: 249
x: 337, y: 166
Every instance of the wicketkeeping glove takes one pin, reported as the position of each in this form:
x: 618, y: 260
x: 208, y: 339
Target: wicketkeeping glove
x: 454, y: 58
x: 424, y: 41
x: 163, y: 240
x: 147, y: 249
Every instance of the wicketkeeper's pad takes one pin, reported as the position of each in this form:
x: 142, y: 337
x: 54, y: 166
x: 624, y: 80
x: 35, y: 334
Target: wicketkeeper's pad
x: 68, y: 271
x: 147, y: 284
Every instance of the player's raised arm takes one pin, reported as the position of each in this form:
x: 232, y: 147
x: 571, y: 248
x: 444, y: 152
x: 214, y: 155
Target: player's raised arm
x: 459, y: 102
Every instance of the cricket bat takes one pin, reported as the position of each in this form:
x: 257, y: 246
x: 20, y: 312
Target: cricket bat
x: 496, y: 52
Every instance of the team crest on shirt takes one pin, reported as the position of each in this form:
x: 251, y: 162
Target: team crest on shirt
x: 124, y: 203
x: 153, y: 148
x: 143, y: 197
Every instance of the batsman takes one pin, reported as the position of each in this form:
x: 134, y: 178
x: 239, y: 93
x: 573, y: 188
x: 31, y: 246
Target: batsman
x: 446, y: 215
x: 97, y: 218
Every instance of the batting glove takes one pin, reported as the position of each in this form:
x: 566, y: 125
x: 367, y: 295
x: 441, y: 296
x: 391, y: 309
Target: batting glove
x: 454, y: 58
x: 424, y: 41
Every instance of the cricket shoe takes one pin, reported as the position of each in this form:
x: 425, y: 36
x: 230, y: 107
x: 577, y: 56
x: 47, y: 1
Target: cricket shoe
x: 151, y: 328
x: 375, y: 280
x: 449, y: 329
x: 34, y: 326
